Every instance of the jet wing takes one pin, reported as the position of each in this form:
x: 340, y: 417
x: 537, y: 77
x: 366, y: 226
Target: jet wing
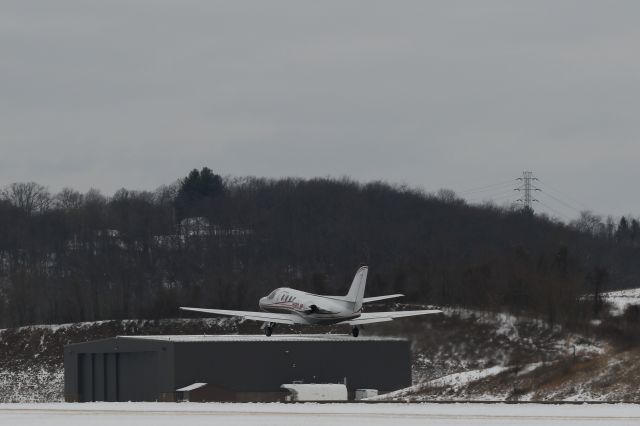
x: 371, y: 317
x: 254, y: 316
x: 376, y: 298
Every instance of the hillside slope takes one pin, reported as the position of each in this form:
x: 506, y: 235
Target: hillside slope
x: 460, y: 355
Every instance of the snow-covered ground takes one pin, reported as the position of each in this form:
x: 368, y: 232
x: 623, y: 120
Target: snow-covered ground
x: 619, y: 300
x: 166, y: 414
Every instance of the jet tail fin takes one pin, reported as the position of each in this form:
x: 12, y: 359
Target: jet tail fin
x: 356, y: 291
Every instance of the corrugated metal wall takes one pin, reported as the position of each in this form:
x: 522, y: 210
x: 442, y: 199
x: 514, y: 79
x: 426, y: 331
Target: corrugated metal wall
x: 98, y: 377
x: 129, y: 369
x: 125, y: 376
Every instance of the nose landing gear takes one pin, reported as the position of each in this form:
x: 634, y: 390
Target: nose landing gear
x: 355, y: 331
x: 268, y: 328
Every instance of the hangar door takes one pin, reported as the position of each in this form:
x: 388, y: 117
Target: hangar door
x: 125, y: 376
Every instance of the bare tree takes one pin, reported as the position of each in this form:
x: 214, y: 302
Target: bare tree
x: 94, y: 197
x: 589, y: 223
x: 166, y: 194
x: 69, y: 199
x: 610, y: 227
x: 447, y: 195
x: 28, y: 196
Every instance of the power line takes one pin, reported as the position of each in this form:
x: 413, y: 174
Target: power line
x: 564, y: 195
x: 560, y: 201
x: 481, y: 188
x: 510, y: 194
x: 504, y: 197
x: 501, y: 194
x: 497, y: 188
x: 555, y: 211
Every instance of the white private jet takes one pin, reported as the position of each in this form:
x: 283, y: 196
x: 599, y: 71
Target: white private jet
x: 289, y: 306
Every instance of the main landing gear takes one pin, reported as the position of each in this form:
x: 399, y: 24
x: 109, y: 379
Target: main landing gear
x: 268, y: 328
x: 355, y: 331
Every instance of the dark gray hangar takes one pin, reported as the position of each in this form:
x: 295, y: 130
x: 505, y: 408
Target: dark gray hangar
x: 230, y: 368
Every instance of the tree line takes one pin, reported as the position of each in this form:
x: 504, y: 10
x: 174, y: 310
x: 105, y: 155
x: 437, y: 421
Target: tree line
x: 212, y: 241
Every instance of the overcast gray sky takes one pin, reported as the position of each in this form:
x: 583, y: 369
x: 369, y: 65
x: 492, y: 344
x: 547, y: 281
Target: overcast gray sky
x: 457, y: 94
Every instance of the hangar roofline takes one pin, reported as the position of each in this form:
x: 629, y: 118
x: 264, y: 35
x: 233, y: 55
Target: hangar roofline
x: 259, y: 338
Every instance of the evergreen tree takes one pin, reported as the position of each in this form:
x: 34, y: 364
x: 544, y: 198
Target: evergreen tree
x: 195, y: 190
x: 622, y: 234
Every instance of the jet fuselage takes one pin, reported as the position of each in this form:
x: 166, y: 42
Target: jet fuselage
x: 313, y: 308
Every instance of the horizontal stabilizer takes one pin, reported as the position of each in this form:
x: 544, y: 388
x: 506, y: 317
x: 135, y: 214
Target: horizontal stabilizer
x: 250, y: 315
x: 360, y: 321
x: 376, y: 298
x: 371, y: 317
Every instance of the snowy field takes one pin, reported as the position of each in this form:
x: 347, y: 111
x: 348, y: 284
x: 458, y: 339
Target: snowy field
x: 166, y: 414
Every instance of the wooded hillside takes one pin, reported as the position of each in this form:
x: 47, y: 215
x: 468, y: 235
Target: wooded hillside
x: 208, y: 241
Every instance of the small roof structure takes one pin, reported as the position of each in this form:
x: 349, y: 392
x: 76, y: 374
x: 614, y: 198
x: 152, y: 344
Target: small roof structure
x: 191, y: 387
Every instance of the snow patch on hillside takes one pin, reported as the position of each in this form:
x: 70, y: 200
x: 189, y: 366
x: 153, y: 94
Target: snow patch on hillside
x: 619, y: 300
x: 220, y: 322
x: 32, y: 384
x: 506, y: 323
x: 453, y: 382
x: 456, y: 381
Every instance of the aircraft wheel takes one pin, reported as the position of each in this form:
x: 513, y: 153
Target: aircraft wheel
x: 268, y: 330
x: 355, y: 331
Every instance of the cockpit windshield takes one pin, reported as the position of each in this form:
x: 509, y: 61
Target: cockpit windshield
x: 272, y: 294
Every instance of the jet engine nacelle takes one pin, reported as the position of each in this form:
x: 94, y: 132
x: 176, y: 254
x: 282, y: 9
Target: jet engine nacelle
x: 315, y: 309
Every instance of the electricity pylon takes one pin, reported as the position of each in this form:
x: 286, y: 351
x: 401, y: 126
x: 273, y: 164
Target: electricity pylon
x: 527, y: 187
